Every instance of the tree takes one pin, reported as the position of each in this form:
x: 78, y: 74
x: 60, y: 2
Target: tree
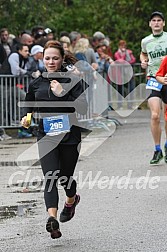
x: 119, y: 19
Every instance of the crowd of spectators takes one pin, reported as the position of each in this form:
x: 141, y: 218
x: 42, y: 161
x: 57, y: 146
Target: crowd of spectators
x: 22, y: 55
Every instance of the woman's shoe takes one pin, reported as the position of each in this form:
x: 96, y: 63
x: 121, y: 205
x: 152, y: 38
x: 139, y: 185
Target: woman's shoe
x: 69, y: 210
x: 52, y: 226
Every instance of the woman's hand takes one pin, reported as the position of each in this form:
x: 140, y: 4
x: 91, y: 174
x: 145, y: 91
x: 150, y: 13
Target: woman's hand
x: 56, y: 87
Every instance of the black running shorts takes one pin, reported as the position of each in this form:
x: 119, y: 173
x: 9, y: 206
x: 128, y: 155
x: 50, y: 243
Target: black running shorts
x: 161, y: 94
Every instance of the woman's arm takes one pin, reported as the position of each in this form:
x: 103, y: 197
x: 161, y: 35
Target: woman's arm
x: 30, y: 96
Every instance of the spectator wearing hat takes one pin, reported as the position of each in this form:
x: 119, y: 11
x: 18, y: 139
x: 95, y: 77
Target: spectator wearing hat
x: 49, y: 34
x: 35, y: 62
x: 64, y: 33
x: 38, y: 37
x: 98, y: 37
x: 37, y: 29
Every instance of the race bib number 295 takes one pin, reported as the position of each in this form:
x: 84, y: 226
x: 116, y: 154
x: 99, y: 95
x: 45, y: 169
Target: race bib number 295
x: 56, y: 125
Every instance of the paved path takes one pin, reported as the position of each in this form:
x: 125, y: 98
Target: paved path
x: 123, y: 198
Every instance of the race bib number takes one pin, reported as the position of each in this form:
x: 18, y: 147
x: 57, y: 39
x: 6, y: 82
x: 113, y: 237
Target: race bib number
x: 153, y: 84
x: 56, y: 125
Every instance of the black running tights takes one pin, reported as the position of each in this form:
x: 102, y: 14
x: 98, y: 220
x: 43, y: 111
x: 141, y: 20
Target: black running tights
x: 59, y: 164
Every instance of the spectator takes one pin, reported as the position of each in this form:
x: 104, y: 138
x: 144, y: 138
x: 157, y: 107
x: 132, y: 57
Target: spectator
x: 124, y: 54
x: 102, y: 58
x: 74, y: 36
x: 5, y: 48
x: 65, y: 41
x: 49, y: 34
x: 82, y: 51
x: 24, y: 39
x: 98, y: 37
x: 16, y: 64
x: 64, y: 33
x: 40, y: 39
x: 35, y: 64
x: 37, y: 29
x: 11, y: 39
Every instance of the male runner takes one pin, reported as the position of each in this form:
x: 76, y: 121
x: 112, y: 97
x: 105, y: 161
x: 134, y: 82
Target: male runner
x: 153, y: 50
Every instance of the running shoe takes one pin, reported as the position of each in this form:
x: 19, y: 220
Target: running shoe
x: 165, y: 150
x: 157, y: 157
x: 52, y: 226
x: 69, y: 210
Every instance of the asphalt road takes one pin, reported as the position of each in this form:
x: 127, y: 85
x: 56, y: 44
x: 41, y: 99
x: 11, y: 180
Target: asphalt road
x: 123, y: 199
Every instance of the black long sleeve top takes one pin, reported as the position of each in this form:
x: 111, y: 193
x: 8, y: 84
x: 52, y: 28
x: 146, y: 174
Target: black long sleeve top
x: 39, y: 92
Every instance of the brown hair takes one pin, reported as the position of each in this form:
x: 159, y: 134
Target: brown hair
x: 68, y: 57
x: 122, y: 43
x: 3, y: 30
x: 54, y: 44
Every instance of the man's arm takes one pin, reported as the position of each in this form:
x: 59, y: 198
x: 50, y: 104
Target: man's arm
x: 14, y: 63
x: 161, y: 74
x: 162, y: 80
x: 144, y: 60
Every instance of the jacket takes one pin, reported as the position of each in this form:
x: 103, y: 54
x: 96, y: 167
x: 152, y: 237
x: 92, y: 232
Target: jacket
x: 39, y: 91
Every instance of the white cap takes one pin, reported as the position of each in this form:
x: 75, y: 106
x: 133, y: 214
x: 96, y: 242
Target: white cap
x: 35, y: 49
x: 48, y: 30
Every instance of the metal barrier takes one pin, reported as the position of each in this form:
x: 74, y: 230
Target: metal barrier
x: 13, y: 90
x: 115, y: 99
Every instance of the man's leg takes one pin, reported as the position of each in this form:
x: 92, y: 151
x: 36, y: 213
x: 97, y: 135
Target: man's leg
x: 155, y: 109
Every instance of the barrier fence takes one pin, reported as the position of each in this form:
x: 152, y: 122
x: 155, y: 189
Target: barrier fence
x: 101, y: 96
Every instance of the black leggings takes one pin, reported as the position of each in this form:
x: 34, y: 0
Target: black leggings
x: 60, y: 164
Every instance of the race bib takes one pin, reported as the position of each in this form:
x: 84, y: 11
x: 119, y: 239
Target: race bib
x: 56, y: 125
x: 153, y: 84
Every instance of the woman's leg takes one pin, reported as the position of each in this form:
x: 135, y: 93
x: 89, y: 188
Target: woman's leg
x: 68, y: 159
x: 51, y: 170
x: 50, y: 167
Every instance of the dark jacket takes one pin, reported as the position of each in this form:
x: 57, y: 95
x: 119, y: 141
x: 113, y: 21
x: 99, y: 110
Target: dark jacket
x: 39, y: 91
x: 3, y: 55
